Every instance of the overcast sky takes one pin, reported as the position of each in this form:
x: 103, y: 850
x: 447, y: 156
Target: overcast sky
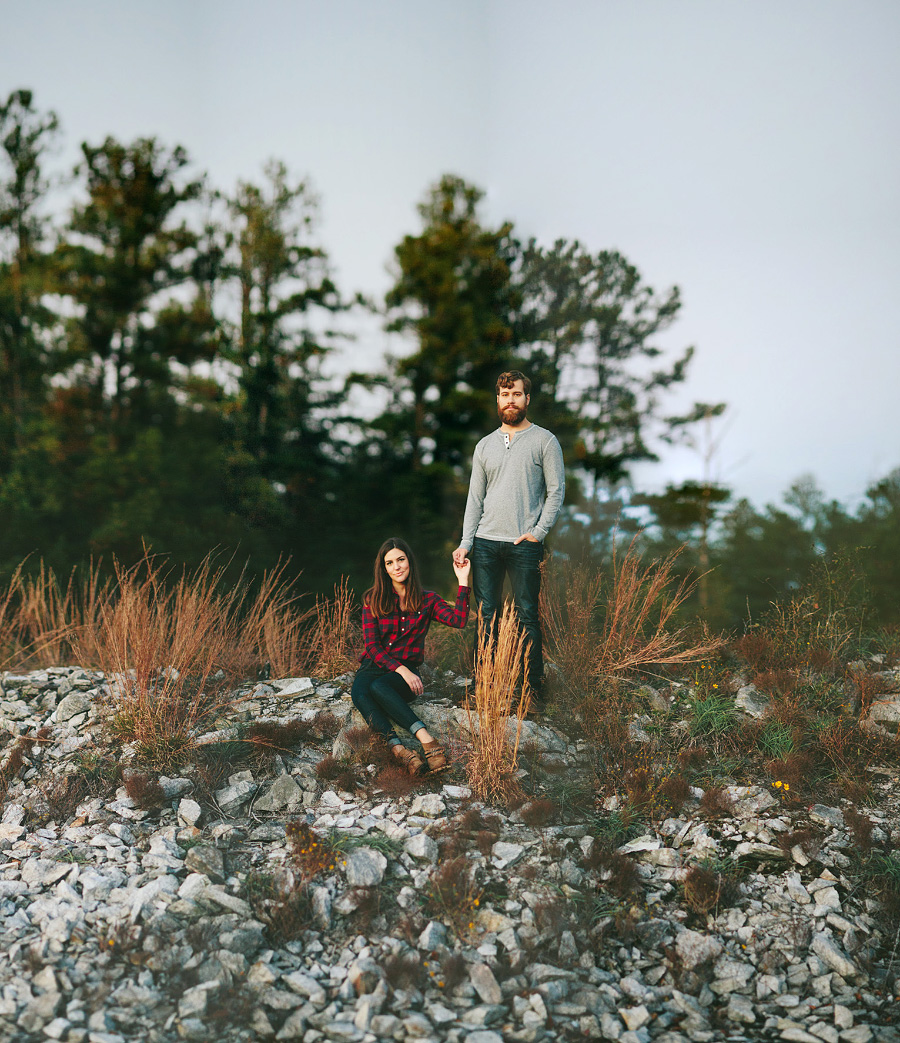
x: 745, y: 151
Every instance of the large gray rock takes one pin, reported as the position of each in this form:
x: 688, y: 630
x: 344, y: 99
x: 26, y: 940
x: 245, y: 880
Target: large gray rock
x: 695, y: 948
x: 752, y: 702
x: 831, y: 955
x: 885, y: 710
x: 232, y: 798
x: 422, y: 847
x: 485, y: 983
x: 73, y: 704
x: 294, y: 687
x: 365, y: 867
x: 284, y: 793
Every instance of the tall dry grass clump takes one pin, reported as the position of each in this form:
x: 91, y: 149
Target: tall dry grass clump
x: 164, y: 647
x: 38, y: 615
x: 334, y: 635
x: 501, y: 693
x: 606, y: 625
x: 275, y: 629
x: 570, y: 598
x: 640, y: 622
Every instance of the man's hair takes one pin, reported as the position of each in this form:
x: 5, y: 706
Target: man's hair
x: 506, y: 380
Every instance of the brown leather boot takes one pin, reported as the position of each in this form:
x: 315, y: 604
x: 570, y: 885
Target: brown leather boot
x: 434, y: 755
x: 410, y: 759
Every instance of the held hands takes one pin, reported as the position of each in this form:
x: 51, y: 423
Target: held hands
x: 462, y: 569
x: 459, y: 556
x: 526, y: 536
x: 413, y: 680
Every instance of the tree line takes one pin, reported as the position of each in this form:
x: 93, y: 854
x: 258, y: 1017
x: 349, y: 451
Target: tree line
x: 169, y: 353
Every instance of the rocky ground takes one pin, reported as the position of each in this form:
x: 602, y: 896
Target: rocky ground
x: 121, y: 923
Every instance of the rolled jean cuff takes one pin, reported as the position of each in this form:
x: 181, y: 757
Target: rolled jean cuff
x: 394, y: 741
x: 415, y: 726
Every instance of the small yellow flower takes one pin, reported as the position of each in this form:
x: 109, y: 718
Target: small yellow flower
x: 786, y: 786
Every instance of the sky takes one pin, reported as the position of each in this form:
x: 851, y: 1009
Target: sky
x: 747, y: 152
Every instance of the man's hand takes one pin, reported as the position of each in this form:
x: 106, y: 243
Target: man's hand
x: 413, y: 680
x: 526, y: 536
x: 459, y: 556
x: 462, y: 571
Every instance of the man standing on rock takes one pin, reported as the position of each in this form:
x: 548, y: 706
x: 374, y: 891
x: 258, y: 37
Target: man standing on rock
x: 515, y: 495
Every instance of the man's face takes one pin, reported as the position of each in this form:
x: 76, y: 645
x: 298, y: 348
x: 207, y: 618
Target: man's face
x: 512, y: 403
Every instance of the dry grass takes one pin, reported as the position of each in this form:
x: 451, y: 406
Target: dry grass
x: 570, y: 597
x: 639, y: 626
x: 333, y: 639
x: 170, y: 643
x: 164, y: 648
x: 38, y: 615
x: 501, y: 692
x: 601, y: 625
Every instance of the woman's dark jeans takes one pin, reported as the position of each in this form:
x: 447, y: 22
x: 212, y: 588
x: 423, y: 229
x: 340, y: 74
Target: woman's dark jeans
x: 382, y: 696
x: 492, y: 560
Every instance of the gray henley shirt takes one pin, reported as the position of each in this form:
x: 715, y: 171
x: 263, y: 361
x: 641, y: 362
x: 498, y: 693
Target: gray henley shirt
x: 517, y: 486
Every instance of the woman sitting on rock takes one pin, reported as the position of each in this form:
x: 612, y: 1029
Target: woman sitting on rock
x: 396, y: 616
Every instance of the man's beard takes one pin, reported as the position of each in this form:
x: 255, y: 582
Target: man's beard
x: 511, y: 415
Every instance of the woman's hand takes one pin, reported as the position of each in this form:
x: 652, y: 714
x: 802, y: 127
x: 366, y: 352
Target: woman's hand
x: 413, y: 680
x: 462, y: 571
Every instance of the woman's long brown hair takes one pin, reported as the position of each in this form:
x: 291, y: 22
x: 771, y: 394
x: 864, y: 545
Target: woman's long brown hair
x: 380, y: 596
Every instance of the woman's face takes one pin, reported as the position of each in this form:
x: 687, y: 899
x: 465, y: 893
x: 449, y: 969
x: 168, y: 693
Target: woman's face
x: 396, y: 565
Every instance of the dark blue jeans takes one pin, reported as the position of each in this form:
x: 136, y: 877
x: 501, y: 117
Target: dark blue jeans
x: 382, y: 696
x: 492, y: 561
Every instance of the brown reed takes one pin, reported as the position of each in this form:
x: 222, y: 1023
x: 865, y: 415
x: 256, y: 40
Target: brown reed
x: 501, y: 696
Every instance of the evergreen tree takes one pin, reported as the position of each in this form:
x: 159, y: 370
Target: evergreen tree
x: 25, y: 322
x: 585, y: 328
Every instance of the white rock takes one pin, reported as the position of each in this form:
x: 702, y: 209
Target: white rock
x: 695, y: 948
x: 428, y: 805
x: 294, y: 687
x: 634, y: 1017
x: 504, y: 854
x: 422, y: 847
x: 828, y: 952
x: 189, y: 812
x: 365, y: 867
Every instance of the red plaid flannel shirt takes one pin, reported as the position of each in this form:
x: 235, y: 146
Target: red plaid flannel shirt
x: 398, y: 639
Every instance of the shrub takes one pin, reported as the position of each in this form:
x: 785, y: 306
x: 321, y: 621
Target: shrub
x: 335, y: 633
x: 706, y: 890
x: 329, y: 769
x: 281, y: 903
x: 310, y: 853
x: 639, y: 619
x: 713, y: 714
x: 454, y: 970
x: 618, y: 873
x: 675, y: 791
x: 776, y: 740
x: 145, y: 791
x: 860, y: 827
x: 404, y: 970
x: 453, y: 893
x: 394, y: 780
x: 539, y: 812
x: 807, y: 839
x: 715, y: 802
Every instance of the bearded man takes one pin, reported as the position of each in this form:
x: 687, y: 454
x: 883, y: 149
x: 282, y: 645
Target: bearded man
x: 515, y: 495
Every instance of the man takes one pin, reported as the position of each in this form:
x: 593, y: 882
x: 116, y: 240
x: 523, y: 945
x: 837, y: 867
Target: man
x: 515, y: 494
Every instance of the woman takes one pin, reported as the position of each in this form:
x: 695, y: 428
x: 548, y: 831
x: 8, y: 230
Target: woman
x: 396, y: 617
